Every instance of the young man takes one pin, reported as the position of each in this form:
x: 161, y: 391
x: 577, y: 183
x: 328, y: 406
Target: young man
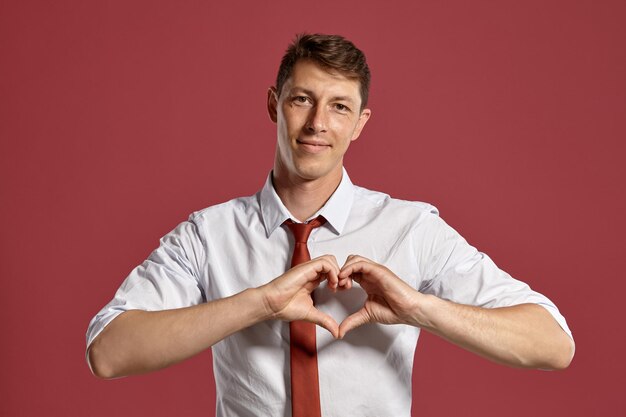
x: 223, y: 278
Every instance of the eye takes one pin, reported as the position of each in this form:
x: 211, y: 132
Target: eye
x: 342, y: 108
x: 300, y: 100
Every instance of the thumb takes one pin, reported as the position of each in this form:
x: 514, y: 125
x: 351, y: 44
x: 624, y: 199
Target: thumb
x: 353, y: 321
x: 323, y: 320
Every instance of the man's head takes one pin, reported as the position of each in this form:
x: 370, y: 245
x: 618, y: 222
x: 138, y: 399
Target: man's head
x: 331, y: 52
x: 318, y: 106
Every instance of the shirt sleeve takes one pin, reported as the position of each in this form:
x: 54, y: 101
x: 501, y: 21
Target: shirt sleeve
x: 168, y: 279
x: 458, y: 272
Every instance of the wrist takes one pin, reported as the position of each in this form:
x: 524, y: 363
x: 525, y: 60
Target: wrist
x: 425, y: 311
x: 263, y: 308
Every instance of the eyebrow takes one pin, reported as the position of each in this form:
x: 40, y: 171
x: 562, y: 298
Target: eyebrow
x: 310, y: 93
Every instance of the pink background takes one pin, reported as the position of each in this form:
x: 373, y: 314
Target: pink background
x: 119, y: 118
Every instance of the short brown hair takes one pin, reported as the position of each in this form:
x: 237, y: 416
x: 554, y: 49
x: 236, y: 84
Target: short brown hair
x: 330, y: 51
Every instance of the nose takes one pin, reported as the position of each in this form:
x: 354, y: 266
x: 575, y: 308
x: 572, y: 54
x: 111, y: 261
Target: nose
x: 317, y: 122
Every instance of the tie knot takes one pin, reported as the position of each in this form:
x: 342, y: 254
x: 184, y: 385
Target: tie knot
x: 302, y: 231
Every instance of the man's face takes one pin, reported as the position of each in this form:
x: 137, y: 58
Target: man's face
x: 317, y: 116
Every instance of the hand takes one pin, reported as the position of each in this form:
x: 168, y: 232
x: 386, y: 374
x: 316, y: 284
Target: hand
x: 288, y: 297
x: 389, y: 299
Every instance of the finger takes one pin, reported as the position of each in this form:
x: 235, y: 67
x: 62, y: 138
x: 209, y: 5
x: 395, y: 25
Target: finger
x: 328, y: 263
x: 349, y: 258
x: 330, y: 260
x: 354, y: 258
x: 333, y: 279
x: 313, y: 270
x: 345, y: 283
x: 360, y: 266
x: 332, y: 285
x: 348, y: 266
x: 330, y: 274
x: 353, y: 321
x: 323, y: 320
x: 333, y: 260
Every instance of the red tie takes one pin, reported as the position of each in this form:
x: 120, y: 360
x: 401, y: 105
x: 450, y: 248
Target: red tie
x: 305, y: 392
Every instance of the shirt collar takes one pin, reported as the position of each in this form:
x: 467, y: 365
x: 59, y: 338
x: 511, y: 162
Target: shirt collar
x: 335, y: 211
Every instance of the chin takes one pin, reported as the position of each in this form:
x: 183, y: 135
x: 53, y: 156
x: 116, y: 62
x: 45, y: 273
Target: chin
x: 313, y: 172
x: 309, y: 174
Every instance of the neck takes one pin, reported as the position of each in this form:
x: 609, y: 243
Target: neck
x: 303, y: 198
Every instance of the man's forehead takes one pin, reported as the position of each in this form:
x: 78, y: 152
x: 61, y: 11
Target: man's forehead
x: 310, y: 77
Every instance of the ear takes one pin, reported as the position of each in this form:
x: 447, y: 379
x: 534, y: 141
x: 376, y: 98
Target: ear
x: 363, y: 118
x: 272, y: 103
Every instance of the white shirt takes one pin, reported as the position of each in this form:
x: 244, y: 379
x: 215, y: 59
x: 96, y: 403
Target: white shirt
x: 224, y: 249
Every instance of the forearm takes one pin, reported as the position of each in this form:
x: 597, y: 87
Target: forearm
x: 141, y: 341
x: 525, y: 335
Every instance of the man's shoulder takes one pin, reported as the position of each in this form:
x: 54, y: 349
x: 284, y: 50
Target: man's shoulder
x: 221, y: 212
x: 377, y: 200
x: 396, y: 215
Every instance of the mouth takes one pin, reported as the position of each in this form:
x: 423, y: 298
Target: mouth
x: 312, y: 146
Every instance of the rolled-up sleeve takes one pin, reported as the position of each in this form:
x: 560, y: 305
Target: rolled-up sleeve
x: 460, y: 273
x: 169, y: 278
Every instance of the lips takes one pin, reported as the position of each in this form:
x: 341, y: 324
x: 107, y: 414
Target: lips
x: 312, y: 146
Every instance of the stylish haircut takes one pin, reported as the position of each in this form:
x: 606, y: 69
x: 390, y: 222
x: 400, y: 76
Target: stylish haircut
x: 332, y: 52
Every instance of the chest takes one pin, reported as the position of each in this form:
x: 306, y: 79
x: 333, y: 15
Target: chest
x: 248, y: 258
